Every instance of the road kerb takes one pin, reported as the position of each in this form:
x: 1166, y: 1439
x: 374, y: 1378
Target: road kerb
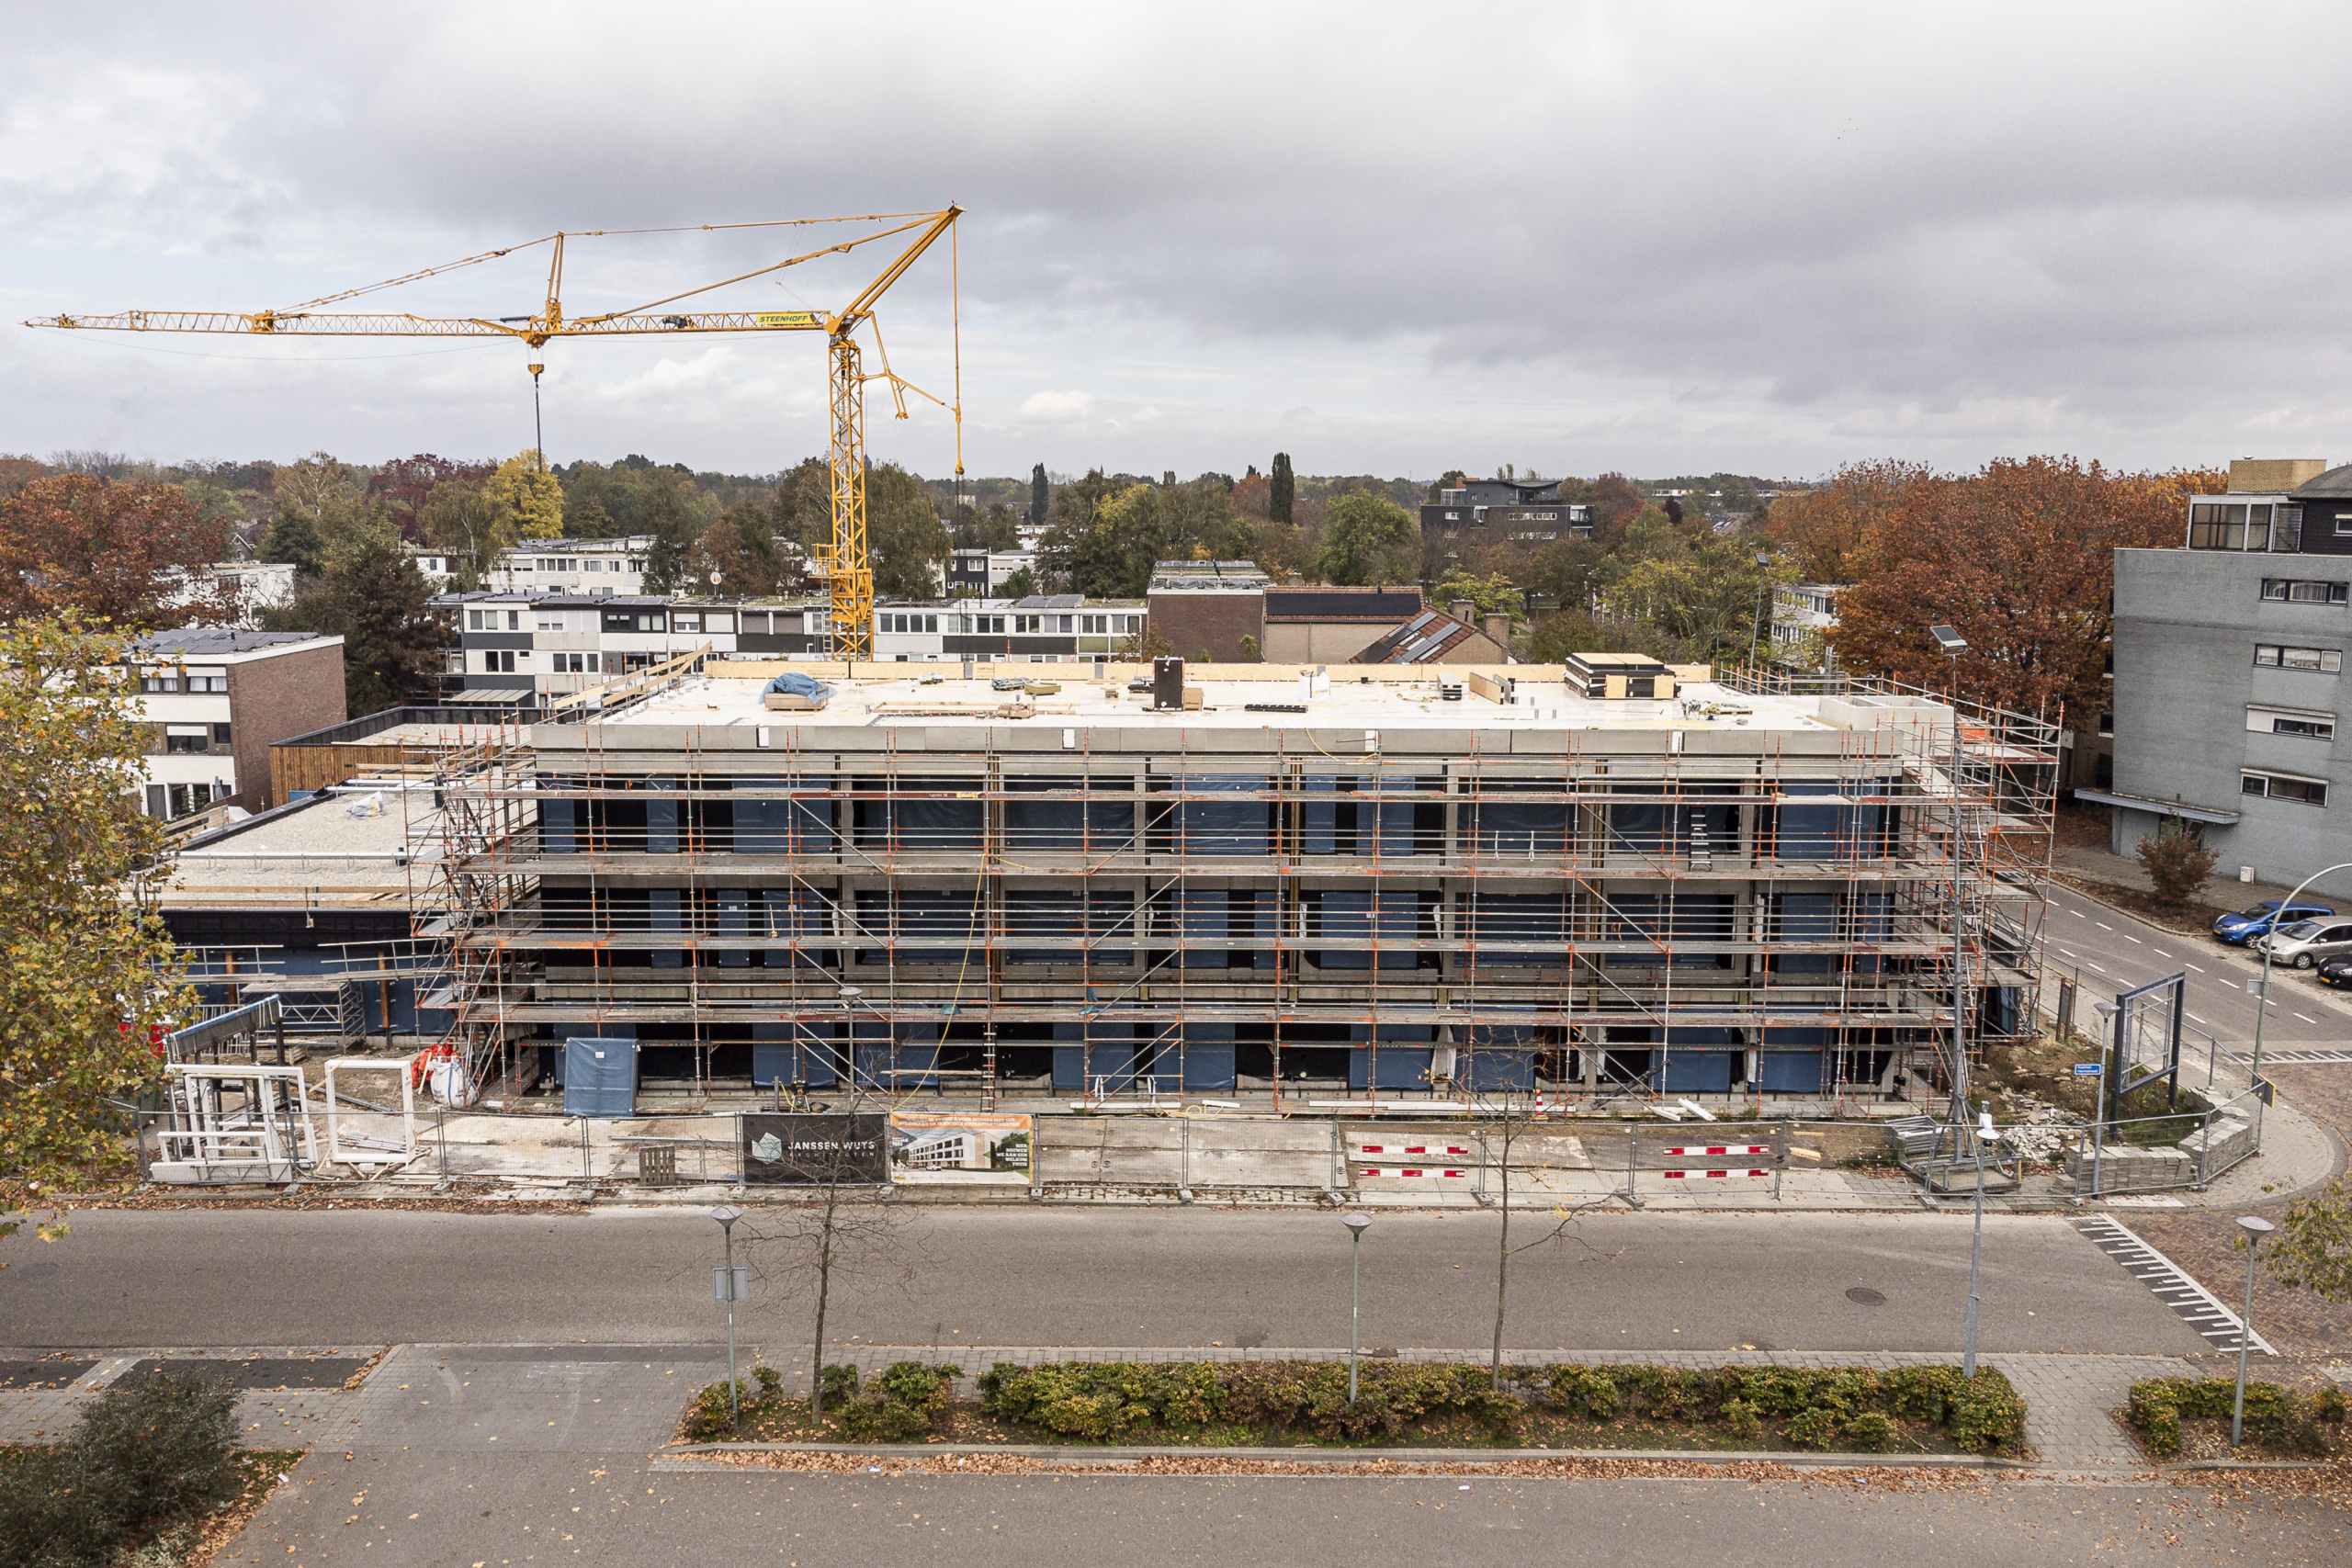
x: 1326, y: 1457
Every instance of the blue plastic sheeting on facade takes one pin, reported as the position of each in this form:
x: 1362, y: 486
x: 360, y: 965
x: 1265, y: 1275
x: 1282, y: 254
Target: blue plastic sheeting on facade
x: 1209, y: 914
x: 1342, y: 817
x: 1788, y: 1072
x: 1069, y: 1056
x: 779, y: 826
x: 795, y: 1054
x: 599, y: 1077
x: 1697, y: 1072
x: 1497, y: 1056
x: 557, y: 819
x: 1117, y: 1059
x: 730, y: 916
x: 1220, y: 827
x: 1519, y: 918
x: 1804, y: 917
x: 953, y: 821
x: 664, y: 912
x: 1207, y: 1059
x: 1347, y: 917
x: 1836, y: 830
x: 909, y: 1061
x: 661, y: 821
x: 1500, y: 825
x: 803, y: 913
x: 1403, y: 1050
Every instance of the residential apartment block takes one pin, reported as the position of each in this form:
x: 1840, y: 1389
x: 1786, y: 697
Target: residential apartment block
x: 598, y: 569
x: 214, y: 700
x: 2228, y: 676
x: 1501, y: 511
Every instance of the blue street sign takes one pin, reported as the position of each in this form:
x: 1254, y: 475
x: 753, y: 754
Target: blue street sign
x: 2086, y: 1069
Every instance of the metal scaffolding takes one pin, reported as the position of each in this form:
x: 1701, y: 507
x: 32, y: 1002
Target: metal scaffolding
x: 1148, y: 914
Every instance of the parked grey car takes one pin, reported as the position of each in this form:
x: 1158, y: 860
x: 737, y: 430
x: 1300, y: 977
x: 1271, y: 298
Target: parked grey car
x: 2305, y: 943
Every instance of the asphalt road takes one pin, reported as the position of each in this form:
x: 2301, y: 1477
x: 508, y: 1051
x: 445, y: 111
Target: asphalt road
x: 2113, y: 951
x: 389, y: 1510
x: 1099, y: 1276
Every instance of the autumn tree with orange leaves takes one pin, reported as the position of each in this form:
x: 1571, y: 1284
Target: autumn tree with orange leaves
x: 2019, y: 558
x: 1822, y: 529
x: 115, y: 550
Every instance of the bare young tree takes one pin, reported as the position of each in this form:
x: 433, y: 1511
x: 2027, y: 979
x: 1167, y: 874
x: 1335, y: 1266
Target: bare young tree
x: 1513, y: 1118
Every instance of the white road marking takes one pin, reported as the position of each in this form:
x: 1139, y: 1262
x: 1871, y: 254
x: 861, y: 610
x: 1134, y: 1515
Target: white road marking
x: 2102, y: 925
x: 2166, y: 956
x: 2101, y: 968
x: 2129, y: 937
x: 2194, y: 966
x: 2186, y: 1013
x: 2078, y: 914
x: 2307, y: 1020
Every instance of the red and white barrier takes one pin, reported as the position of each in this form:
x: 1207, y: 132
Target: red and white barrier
x: 1709, y: 1175
x: 1427, y: 1173
x: 1423, y: 1150
x: 1694, y: 1152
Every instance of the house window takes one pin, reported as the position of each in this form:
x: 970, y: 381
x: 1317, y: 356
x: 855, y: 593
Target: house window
x: 186, y: 737
x: 2106, y: 724
x: 207, y: 680
x: 2229, y: 525
x: 2276, y: 656
x: 219, y: 735
x: 685, y: 620
x: 2294, y: 591
x: 473, y: 620
x: 2282, y: 786
x: 592, y: 566
x: 159, y: 682
x: 2297, y: 721
x: 495, y: 662
x: 551, y: 623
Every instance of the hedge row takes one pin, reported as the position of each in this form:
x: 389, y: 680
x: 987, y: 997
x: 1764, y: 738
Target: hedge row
x: 902, y: 1404
x: 2159, y: 1406
x: 147, y: 1458
x: 1105, y: 1401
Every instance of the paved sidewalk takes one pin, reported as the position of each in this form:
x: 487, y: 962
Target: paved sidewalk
x: 603, y: 1399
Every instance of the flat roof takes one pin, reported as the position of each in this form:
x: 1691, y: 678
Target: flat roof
x: 220, y: 642
x: 1380, y: 699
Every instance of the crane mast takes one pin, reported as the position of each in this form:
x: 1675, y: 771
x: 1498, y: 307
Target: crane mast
x: 843, y: 562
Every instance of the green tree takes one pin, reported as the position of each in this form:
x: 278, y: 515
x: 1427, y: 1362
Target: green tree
x: 1282, y: 490
x: 90, y: 978
x: 1041, y: 496
x: 904, y: 538
x: 1368, y: 540
x: 1493, y: 594
x: 293, y: 539
x: 1019, y: 585
x: 1077, y: 555
x: 2313, y: 1247
x: 461, y: 521
x: 373, y: 597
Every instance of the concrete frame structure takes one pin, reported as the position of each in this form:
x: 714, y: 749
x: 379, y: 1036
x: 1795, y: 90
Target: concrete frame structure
x: 1307, y: 884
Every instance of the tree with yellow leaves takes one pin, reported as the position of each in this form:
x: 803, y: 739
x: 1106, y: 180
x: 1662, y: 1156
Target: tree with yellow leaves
x: 88, y: 978
x: 529, y: 497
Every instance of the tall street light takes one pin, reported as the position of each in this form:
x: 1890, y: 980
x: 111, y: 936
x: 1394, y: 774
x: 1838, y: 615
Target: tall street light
x: 1763, y: 586
x: 1952, y: 645
x: 2262, y: 999
x: 1357, y: 1224
x: 727, y: 1291
x: 1985, y: 1133
x: 2256, y: 1228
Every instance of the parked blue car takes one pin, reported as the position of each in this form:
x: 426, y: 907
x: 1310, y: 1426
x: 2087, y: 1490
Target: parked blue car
x: 2258, y: 921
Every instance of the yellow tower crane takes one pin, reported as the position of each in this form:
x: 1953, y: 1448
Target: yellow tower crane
x: 843, y: 563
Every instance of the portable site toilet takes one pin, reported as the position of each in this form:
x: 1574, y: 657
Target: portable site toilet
x: 599, y: 1077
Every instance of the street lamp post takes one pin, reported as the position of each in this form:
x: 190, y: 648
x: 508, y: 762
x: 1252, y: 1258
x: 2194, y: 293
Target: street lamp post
x: 2262, y: 1000
x: 1357, y: 1224
x: 1763, y: 587
x: 1952, y: 645
x: 1985, y: 1133
x: 726, y: 1215
x: 2256, y: 1228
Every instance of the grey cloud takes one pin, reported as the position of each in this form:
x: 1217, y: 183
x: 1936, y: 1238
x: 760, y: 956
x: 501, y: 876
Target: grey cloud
x: 1651, y: 237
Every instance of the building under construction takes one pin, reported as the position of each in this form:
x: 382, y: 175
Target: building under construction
x: 1254, y: 883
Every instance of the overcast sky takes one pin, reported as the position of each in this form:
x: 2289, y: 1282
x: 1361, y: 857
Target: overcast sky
x: 1652, y: 238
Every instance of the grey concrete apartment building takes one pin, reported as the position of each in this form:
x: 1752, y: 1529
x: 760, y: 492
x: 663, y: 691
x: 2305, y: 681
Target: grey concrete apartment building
x: 2229, y: 676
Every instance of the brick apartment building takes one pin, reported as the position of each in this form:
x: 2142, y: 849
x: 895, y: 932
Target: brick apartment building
x: 215, y: 700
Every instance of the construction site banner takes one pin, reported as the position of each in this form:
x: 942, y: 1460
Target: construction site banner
x: 789, y: 1149
x: 932, y: 1149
